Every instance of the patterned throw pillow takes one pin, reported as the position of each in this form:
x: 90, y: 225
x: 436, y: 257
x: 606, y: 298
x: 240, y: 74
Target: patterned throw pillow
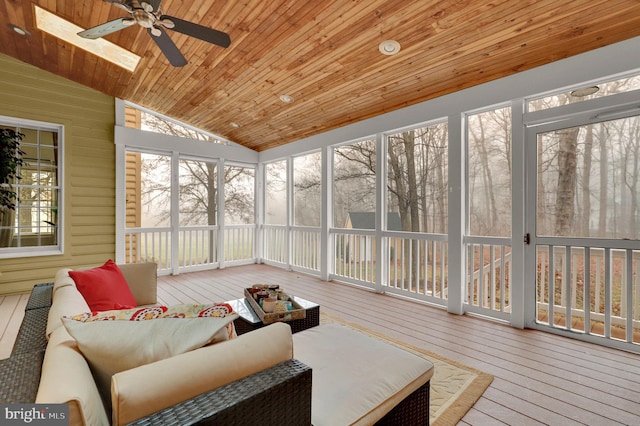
x: 218, y: 310
x: 118, y: 340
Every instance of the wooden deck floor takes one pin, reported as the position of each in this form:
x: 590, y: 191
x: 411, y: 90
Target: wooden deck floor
x: 539, y: 378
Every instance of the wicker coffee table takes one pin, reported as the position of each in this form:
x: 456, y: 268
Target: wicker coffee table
x: 249, y: 320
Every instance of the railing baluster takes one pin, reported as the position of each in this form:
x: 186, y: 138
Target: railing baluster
x: 568, y: 281
x: 628, y: 293
x: 587, y: 290
x: 552, y: 284
x: 607, y: 293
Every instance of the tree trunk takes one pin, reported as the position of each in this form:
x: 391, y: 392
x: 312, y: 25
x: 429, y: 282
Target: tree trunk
x: 492, y: 211
x: 399, y: 190
x: 567, y: 170
x: 604, y: 183
x: 409, y: 149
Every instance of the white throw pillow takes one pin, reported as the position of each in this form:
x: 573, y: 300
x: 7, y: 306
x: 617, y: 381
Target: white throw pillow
x: 119, y: 340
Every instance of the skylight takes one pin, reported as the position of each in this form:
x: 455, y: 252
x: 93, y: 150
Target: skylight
x: 65, y: 30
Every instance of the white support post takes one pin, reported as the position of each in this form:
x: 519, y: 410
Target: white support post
x: 260, y: 188
x: 522, y: 293
x: 327, y: 251
x: 457, y: 215
x: 175, y: 213
x: 121, y: 195
x: 220, y: 212
x: 290, y: 211
x: 381, y: 212
x: 121, y: 201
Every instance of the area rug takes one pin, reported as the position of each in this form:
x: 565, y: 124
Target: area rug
x: 455, y: 387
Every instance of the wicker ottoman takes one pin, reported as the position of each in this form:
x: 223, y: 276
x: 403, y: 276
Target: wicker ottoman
x: 358, y: 379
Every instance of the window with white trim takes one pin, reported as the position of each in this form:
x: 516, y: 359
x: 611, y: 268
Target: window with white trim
x: 32, y: 225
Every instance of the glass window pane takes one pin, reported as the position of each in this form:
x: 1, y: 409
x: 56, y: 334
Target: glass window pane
x: 32, y: 221
x: 417, y: 180
x: 155, y: 191
x: 307, y: 191
x: 589, y: 180
x: 138, y: 119
x: 581, y: 94
x: 275, y: 197
x: 489, y: 173
x: 239, y: 190
x: 197, y: 182
x: 354, y: 188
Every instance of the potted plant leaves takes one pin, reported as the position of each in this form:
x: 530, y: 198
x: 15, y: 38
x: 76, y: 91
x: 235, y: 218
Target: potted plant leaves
x: 10, y: 162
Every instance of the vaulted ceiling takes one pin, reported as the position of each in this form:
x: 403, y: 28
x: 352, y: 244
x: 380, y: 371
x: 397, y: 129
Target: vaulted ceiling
x: 322, y: 53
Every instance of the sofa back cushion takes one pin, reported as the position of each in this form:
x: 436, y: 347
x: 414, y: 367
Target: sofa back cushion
x: 143, y: 281
x: 141, y: 391
x: 67, y: 300
x: 115, y: 341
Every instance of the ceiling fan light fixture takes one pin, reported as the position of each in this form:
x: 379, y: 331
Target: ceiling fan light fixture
x: 167, y: 23
x: 19, y: 30
x: 389, y: 47
x: 143, y: 18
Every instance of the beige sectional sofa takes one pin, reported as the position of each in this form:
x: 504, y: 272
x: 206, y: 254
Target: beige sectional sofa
x: 338, y: 376
x: 67, y: 378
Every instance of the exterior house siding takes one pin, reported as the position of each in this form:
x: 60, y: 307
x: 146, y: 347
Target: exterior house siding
x: 89, y: 168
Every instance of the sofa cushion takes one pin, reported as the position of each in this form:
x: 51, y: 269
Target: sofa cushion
x: 104, y: 287
x: 141, y: 391
x: 116, y: 345
x: 143, y: 281
x: 62, y: 279
x: 67, y: 301
x: 66, y: 379
x: 357, y: 379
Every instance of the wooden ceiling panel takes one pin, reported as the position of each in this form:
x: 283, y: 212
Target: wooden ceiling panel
x: 323, y: 53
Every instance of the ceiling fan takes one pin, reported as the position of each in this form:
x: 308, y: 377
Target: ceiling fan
x: 148, y: 15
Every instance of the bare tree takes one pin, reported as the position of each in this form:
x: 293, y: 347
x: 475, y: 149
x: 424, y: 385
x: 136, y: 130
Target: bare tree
x: 567, y: 171
x: 198, y: 183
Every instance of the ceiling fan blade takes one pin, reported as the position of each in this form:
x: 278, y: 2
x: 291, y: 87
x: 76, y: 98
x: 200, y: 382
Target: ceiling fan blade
x: 198, y: 31
x: 168, y: 47
x: 106, y: 28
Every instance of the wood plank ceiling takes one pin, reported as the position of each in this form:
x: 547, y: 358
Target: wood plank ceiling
x: 322, y: 53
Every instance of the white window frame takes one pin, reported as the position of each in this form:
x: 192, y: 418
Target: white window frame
x: 57, y: 249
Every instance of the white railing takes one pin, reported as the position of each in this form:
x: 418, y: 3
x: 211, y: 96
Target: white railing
x: 355, y: 256
x: 197, y: 246
x: 305, y: 248
x: 488, y: 280
x: 593, y: 290
x: 149, y: 245
x: 418, y: 266
x: 239, y: 243
x: 275, y: 244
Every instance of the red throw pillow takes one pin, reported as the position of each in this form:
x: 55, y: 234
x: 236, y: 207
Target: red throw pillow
x: 104, y: 288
